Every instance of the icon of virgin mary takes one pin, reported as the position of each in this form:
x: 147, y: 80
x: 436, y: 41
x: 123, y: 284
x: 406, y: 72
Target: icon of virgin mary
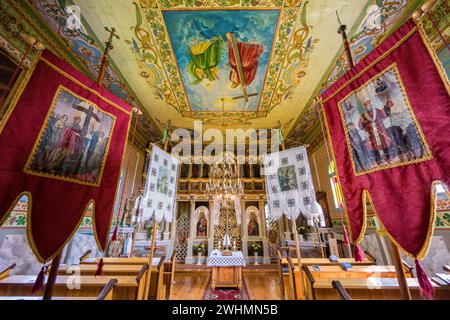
x: 253, y: 226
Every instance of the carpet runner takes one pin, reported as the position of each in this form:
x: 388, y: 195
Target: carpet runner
x: 226, y: 293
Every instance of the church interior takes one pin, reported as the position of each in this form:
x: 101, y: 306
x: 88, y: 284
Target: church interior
x: 224, y: 150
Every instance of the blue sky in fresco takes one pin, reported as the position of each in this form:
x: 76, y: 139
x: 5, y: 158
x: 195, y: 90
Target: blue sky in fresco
x: 190, y: 27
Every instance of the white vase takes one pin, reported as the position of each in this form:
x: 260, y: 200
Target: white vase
x: 199, y: 260
x: 256, y: 259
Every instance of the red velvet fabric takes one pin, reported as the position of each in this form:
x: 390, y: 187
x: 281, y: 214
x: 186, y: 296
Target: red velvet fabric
x: 400, y: 195
x: 57, y: 206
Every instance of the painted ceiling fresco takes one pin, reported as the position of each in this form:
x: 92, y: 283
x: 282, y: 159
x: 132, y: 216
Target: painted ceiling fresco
x: 176, y: 58
x: 205, y: 58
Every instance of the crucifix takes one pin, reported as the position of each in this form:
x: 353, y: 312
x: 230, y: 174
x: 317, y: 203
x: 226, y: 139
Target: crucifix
x: 104, y: 61
x: 90, y: 114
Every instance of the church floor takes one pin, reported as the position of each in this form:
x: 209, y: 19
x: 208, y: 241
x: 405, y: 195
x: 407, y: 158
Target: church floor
x: 262, y: 284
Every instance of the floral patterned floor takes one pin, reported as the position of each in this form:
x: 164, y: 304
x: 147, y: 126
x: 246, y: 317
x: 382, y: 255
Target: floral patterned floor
x: 227, y: 294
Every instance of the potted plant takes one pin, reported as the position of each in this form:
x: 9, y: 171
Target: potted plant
x: 256, y: 247
x: 200, y: 248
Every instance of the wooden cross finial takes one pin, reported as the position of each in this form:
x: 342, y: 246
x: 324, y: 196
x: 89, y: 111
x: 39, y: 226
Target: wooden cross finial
x: 109, y: 46
x: 112, y: 34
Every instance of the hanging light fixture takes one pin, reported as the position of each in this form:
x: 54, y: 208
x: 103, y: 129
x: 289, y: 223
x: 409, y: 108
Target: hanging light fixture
x: 224, y: 185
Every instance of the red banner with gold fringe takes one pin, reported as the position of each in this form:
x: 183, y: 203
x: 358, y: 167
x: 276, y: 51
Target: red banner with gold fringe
x: 62, y: 145
x: 388, y: 120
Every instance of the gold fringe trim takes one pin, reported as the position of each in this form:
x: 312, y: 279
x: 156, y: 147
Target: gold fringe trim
x: 18, y: 92
x: 57, y: 69
x: 377, y: 60
x: 61, y: 248
x: 116, y: 194
x: 27, y: 169
x: 428, y: 154
x: 434, y: 56
x: 426, y: 245
x: 8, y: 114
x: 336, y: 168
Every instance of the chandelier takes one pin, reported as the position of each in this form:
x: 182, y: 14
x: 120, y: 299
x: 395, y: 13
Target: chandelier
x: 224, y: 185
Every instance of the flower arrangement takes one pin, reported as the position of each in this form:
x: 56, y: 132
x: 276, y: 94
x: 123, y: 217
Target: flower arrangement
x: 301, y: 230
x: 256, y: 246
x: 149, y: 230
x: 200, y: 247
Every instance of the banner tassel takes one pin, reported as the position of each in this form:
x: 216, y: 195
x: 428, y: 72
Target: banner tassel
x: 39, y: 283
x: 344, y: 230
x: 114, y: 236
x: 359, y: 254
x: 99, y: 271
x: 426, y: 288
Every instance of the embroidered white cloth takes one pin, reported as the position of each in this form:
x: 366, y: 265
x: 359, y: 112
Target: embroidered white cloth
x: 161, y: 188
x: 289, y: 185
x: 148, y: 243
x: 315, y: 244
x: 235, y: 260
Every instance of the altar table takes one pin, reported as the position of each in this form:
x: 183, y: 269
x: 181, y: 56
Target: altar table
x: 226, y: 270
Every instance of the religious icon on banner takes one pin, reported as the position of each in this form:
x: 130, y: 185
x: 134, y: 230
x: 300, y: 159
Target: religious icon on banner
x: 289, y: 184
x: 163, y: 180
x: 287, y: 178
x: 73, y: 141
x: 161, y: 188
x: 380, y: 125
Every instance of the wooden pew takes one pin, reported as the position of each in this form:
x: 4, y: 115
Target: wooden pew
x: 4, y: 272
x: 157, y: 291
x: 337, y: 273
x: 105, y: 294
x: 126, y: 288
x: 373, y: 289
x: 446, y: 268
x: 133, y: 260
x: 326, y: 261
x: 108, y: 269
